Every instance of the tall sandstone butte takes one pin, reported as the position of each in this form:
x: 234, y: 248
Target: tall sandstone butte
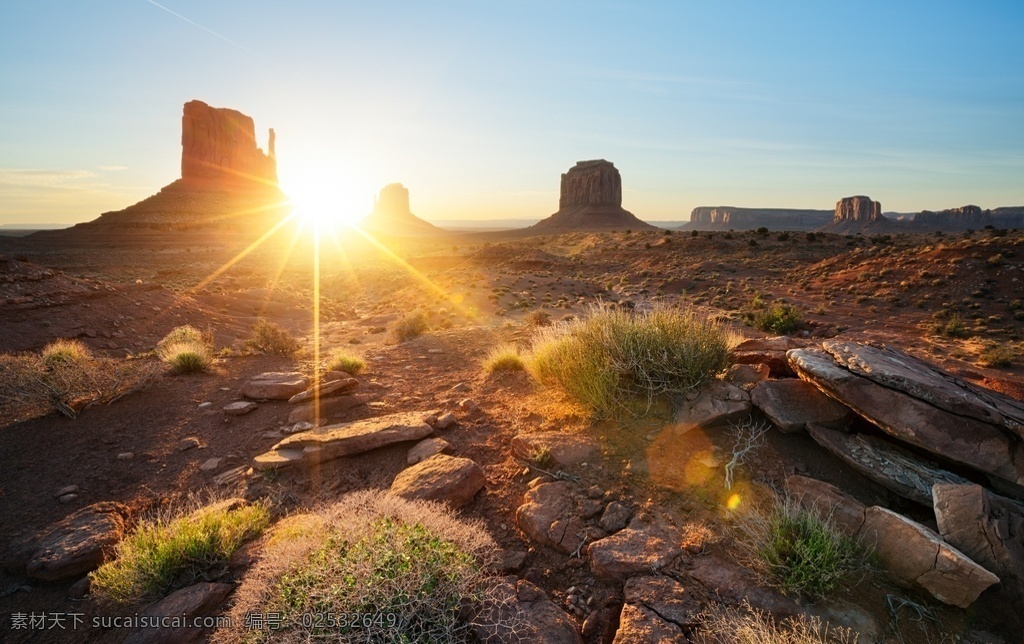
x: 227, y: 182
x: 591, y: 198
x: 391, y: 214
x: 219, y: 144
x: 858, y: 209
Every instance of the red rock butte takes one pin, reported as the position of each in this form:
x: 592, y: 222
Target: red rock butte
x: 591, y: 199
x: 391, y: 214
x: 227, y: 181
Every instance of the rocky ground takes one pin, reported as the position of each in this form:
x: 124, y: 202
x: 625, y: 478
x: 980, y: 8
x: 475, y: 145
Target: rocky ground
x: 625, y: 526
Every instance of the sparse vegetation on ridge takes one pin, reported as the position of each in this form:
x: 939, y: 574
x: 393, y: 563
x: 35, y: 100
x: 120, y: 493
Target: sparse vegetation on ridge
x: 173, y: 551
x: 611, y: 357
x: 411, y: 567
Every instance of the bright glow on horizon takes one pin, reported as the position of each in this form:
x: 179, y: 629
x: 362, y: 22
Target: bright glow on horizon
x: 327, y: 199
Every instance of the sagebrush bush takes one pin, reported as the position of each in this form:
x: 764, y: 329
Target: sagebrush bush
x: 414, y: 564
x: 504, y: 357
x: 744, y: 625
x: 997, y: 355
x: 611, y: 357
x: 799, y: 551
x: 271, y: 337
x: 409, y: 326
x: 65, y: 377
x: 186, y: 350
x: 174, y: 550
x: 538, y: 318
x: 780, y: 319
x: 65, y: 353
x: 341, y: 361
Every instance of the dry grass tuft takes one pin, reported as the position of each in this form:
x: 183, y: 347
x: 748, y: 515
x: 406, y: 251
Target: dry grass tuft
x: 411, y: 325
x: 410, y: 567
x: 341, y: 361
x: 744, y: 625
x: 270, y: 337
x: 504, y: 357
x: 186, y: 349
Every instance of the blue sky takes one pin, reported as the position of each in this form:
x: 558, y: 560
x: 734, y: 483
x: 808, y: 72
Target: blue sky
x: 477, y: 107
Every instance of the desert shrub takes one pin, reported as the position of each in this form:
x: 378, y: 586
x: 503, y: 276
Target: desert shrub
x: 173, y: 551
x: 409, y: 326
x: 341, y: 361
x: 413, y: 564
x: 186, y: 349
x: 995, y: 261
x: 779, y: 319
x: 65, y: 353
x: 997, y: 355
x: 783, y: 236
x: 612, y: 356
x: 954, y: 328
x: 65, y: 377
x: 799, y: 551
x: 542, y: 318
x: 504, y: 357
x: 811, y: 237
x: 744, y: 625
x: 270, y: 337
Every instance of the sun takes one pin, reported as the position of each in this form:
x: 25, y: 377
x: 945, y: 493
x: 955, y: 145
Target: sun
x: 328, y: 200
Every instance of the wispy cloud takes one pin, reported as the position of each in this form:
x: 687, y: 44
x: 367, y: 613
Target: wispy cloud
x: 32, y: 177
x: 113, y: 168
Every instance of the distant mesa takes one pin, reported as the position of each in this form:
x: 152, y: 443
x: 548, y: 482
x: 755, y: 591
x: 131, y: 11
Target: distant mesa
x: 227, y: 182
x: 391, y: 214
x: 858, y: 209
x: 591, y: 199
x: 732, y: 218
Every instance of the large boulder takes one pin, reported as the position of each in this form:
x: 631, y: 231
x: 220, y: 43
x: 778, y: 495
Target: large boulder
x: 919, y: 557
x: 564, y: 449
x: 518, y: 611
x: 191, y: 602
x: 665, y: 596
x: 770, y: 351
x: 887, y: 396
x: 75, y: 545
x: 345, y: 439
x: 448, y: 479
x: 326, y: 390
x: 641, y: 625
x: 328, y: 408
x: 828, y: 501
x: 793, y: 404
x: 275, y: 385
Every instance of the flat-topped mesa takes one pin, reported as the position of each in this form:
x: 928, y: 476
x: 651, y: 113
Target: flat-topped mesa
x: 730, y: 217
x: 591, y: 183
x: 393, y: 201
x: 858, y: 209
x: 218, y: 145
x: 591, y: 199
x: 962, y: 217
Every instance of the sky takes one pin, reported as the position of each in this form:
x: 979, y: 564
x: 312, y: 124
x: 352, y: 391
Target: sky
x: 479, y: 106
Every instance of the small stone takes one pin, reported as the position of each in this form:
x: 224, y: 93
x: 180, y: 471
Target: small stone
x: 80, y: 588
x: 467, y: 405
x: 460, y: 388
x: 590, y: 508
x: 210, y: 464
x: 204, y: 405
x: 301, y: 426
x: 594, y: 492
x: 67, y: 489
x: 239, y: 408
x: 445, y: 421
x: 67, y: 498
x: 188, y: 443
x: 126, y: 456
x: 615, y: 517
x: 427, y: 448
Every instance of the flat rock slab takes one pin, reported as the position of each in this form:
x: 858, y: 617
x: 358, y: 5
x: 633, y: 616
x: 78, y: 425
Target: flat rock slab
x: 717, y: 404
x: 518, y: 611
x: 197, y: 600
x: 769, y: 351
x: 275, y: 385
x: 77, y: 544
x: 747, y: 375
x: 240, y: 408
x: 328, y: 407
x: 641, y: 548
x: 827, y: 501
x: 920, y: 557
x: 960, y: 439
x: 666, y: 597
x: 344, y: 439
x: 891, y: 467
x: 426, y: 448
x: 923, y: 380
x: 641, y: 625
x: 548, y: 516
x: 448, y: 479
x: 326, y: 390
x: 792, y: 404
x: 566, y: 450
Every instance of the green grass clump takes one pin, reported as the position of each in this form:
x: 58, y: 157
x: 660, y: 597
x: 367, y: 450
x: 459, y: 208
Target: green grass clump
x: 780, y: 319
x: 411, y: 567
x: 171, y: 552
x: 341, y: 361
x: 65, y: 353
x: 504, y: 357
x: 271, y: 337
x: 612, y: 357
x: 186, y: 349
x: 800, y: 552
x: 410, y: 326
